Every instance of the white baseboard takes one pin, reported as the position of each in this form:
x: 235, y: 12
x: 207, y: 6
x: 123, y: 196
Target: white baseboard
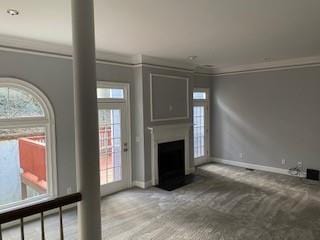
x: 142, y: 184
x: 252, y: 166
x: 198, y: 162
x: 191, y: 170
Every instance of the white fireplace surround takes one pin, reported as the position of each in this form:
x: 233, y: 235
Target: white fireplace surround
x: 164, y: 134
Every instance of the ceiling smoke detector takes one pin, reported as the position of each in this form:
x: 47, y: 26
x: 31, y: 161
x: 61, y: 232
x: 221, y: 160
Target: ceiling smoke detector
x: 13, y: 12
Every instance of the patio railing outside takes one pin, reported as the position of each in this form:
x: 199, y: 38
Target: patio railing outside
x: 32, y: 155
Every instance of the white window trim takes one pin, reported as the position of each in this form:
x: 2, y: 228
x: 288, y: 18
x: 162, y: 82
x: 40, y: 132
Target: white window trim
x: 48, y: 122
x: 206, y: 102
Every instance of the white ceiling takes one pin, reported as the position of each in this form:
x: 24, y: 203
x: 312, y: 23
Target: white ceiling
x: 220, y: 32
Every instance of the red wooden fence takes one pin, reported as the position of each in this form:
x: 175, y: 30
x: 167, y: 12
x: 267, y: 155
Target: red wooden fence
x: 32, y: 153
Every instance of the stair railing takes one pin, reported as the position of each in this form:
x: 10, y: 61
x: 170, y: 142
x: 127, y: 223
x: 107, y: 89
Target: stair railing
x: 39, y: 208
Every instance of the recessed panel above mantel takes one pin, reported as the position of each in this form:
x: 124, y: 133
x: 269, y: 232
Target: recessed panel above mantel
x: 169, y: 97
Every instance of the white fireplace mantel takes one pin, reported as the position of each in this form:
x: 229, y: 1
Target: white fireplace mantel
x: 168, y: 133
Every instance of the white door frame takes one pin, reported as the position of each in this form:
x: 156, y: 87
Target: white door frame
x: 126, y: 104
x: 206, y: 104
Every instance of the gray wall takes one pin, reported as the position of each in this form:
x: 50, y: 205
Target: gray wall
x: 138, y: 127
x: 202, y: 81
x: 53, y: 76
x: 268, y: 116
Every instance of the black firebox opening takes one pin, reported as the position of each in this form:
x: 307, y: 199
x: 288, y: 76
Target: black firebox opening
x: 171, y: 165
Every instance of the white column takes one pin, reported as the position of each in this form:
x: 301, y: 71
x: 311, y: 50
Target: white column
x: 86, y: 120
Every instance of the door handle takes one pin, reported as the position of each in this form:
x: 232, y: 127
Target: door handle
x: 125, y: 147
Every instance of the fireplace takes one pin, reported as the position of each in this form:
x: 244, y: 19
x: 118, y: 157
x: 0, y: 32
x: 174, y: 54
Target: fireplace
x: 170, y: 142
x: 170, y: 161
x: 171, y: 165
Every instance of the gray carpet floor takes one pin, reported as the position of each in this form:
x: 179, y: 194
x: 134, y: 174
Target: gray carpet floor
x: 224, y: 203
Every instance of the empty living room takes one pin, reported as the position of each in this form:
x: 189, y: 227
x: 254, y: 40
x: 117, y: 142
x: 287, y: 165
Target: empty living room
x: 160, y: 120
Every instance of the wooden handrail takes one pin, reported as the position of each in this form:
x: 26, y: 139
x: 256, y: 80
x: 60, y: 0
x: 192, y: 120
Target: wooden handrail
x: 37, y: 208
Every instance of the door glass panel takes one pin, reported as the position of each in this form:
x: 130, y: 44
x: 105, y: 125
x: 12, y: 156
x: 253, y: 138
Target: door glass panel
x: 199, y: 95
x: 110, y: 145
x: 199, y: 131
x: 116, y: 93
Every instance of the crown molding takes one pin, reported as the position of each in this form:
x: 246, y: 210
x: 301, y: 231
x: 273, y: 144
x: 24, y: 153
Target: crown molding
x: 199, y: 70
x: 17, y: 44
x: 42, y: 48
x: 36, y: 47
x: 165, y: 62
x: 269, y: 66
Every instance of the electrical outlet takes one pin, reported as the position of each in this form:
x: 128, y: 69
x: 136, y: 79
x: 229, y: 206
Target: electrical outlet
x: 299, y: 163
x: 283, y: 161
x: 241, y: 155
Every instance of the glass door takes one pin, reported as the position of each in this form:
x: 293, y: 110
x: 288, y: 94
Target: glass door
x: 200, y: 126
x: 113, y: 148
x: 113, y: 141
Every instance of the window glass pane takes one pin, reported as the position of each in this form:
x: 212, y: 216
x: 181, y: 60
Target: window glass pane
x: 198, y: 131
x: 16, y: 103
x: 110, y: 145
x: 116, y: 93
x: 199, y: 95
x: 23, y: 171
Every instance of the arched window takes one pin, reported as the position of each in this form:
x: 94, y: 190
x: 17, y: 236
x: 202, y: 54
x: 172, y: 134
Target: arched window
x: 27, y: 144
